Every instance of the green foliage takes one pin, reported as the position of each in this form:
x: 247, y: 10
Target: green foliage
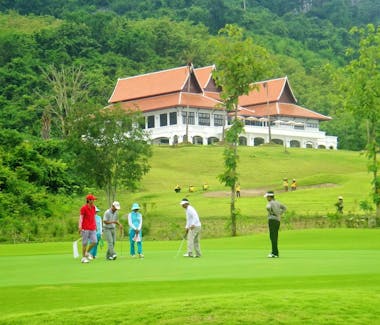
x: 112, y: 149
x: 239, y: 64
x: 361, y: 89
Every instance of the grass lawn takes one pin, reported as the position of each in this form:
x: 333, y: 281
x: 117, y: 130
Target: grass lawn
x: 324, y: 276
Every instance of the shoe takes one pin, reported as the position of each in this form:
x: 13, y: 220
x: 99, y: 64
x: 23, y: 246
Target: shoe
x: 141, y: 256
x: 188, y: 255
x: 133, y: 256
x: 114, y: 256
x: 110, y: 258
x: 84, y: 260
x: 197, y: 256
x: 89, y: 256
x: 272, y: 256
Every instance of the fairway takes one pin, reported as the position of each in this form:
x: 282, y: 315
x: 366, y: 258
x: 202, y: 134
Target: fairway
x: 329, y: 276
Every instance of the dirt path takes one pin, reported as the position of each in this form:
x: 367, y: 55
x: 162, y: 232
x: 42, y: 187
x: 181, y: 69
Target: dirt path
x: 261, y: 191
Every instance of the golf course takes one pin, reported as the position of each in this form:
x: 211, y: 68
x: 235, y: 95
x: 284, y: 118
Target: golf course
x: 328, y: 272
x: 328, y: 276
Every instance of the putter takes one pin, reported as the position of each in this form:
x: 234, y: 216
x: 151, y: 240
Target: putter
x: 180, y: 246
x: 121, y: 243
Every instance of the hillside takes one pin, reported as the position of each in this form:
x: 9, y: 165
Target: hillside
x: 321, y: 176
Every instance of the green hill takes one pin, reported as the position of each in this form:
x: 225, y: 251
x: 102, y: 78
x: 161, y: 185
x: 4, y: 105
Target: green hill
x: 321, y: 175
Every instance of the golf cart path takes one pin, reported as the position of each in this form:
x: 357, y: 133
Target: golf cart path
x: 261, y: 191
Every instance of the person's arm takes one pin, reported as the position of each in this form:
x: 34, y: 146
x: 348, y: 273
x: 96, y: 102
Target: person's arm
x: 130, y: 222
x: 80, y: 222
x: 100, y: 225
x: 140, y: 224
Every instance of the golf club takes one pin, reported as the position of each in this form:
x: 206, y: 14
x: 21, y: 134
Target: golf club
x: 180, y: 246
x: 121, y: 242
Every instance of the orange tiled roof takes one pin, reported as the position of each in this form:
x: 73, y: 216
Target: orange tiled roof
x: 282, y: 109
x: 165, y: 89
x: 258, y: 95
x: 151, y: 84
x: 204, y: 75
x: 171, y: 100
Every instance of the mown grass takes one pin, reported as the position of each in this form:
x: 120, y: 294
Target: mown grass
x: 322, y: 176
x: 324, y: 276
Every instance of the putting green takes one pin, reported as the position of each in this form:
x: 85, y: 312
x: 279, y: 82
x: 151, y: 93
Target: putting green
x: 233, y: 274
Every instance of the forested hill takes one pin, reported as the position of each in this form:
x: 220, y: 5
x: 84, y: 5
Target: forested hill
x: 60, y: 58
x: 108, y: 39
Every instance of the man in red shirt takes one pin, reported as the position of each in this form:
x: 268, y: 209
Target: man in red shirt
x: 87, y: 227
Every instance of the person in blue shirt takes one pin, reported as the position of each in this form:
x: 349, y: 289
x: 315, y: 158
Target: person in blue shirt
x: 135, y: 230
x: 99, y: 232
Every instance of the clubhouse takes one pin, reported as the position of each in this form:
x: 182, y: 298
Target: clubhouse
x: 183, y: 105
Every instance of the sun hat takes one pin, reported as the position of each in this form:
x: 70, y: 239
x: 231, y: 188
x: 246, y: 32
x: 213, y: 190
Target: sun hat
x: 135, y: 206
x: 340, y: 197
x: 184, y: 201
x: 90, y: 197
x: 269, y: 193
x: 116, y: 205
x: 97, y: 209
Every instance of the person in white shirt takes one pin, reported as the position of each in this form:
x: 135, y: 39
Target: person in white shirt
x: 193, y: 230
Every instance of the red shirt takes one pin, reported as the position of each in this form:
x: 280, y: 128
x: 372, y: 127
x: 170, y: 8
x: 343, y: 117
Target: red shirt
x: 88, y: 217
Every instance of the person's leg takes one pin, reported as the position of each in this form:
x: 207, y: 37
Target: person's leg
x: 197, y: 237
x: 139, y: 247
x: 109, y: 240
x: 92, y: 242
x: 94, y: 250
x: 190, y: 242
x: 113, y: 232
x: 132, y: 242
x: 274, y: 226
x: 84, y: 242
x: 139, y: 244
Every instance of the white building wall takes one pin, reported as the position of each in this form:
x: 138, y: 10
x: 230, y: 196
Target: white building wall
x: 308, y: 137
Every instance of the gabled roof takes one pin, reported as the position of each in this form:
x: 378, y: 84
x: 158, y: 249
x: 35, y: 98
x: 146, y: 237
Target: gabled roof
x: 204, y: 75
x: 282, y: 109
x: 180, y: 99
x: 196, y: 88
x: 152, y: 84
x: 269, y: 90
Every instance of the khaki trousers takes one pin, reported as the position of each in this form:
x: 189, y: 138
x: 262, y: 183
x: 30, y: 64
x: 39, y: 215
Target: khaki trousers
x: 193, y: 241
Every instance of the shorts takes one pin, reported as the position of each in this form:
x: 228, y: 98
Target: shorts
x: 89, y: 236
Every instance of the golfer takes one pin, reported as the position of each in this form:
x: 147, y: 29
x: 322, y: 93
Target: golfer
x: 110, y: 221
x: 193, y: 230
x: 275, y: 210
x: 87, y: 227
x: 135, y: 230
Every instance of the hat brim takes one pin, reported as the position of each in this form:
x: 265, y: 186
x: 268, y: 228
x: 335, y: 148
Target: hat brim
x: 184, y: 202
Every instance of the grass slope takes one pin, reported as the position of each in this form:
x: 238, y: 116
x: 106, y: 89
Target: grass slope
x: 322, y: 176
x: 328, y: 276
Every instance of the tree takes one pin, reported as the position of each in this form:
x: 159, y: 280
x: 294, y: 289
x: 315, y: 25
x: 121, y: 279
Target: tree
x: 361, y: 92
x: 68, y: 91
x: 112, y: 148
x: 239, y: 63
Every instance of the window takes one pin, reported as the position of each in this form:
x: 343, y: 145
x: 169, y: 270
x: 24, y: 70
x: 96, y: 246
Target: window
x: 150, y: 120
x: 204, y: 119
x: 163, y: 119
x: 173, y: 118
x: 312, y: 125
x: 218, y: 120
x: 190, y: 117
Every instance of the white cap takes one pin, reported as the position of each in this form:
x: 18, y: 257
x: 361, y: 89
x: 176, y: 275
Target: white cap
x: 116, y: 205
x: 184, y: 201
x: 269, y: 193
